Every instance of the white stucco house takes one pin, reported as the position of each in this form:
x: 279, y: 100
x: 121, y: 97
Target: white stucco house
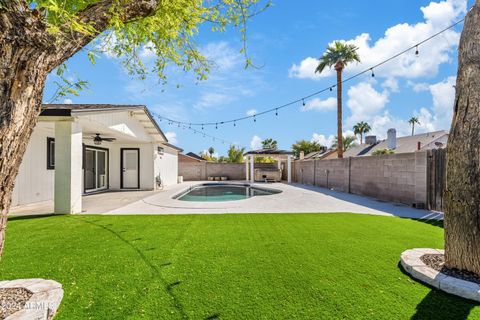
x: 77, y: 149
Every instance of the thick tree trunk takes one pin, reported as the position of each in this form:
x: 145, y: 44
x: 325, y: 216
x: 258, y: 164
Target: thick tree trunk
x: 339, y: 68
x: 462, y: 190
x: 21, y: 83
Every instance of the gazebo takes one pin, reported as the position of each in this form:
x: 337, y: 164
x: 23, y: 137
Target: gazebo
x: 278, y: 155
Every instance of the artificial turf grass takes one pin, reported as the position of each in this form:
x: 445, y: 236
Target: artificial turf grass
x: 245, y: 266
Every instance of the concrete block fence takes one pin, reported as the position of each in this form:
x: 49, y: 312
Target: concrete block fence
x: 397, y: 177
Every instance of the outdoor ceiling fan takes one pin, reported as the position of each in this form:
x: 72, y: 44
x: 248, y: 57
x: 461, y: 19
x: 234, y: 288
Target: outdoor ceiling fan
x: 98, y: 140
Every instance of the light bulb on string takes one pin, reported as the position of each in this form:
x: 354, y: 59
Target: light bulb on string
x: 234, y: 123
x: 417, y: 52
x: 303, y: 102
x: 255, y: 118
x: 373, y: 73
x: 216, y: 125
x: 276, y: 112
x: 331, y: 88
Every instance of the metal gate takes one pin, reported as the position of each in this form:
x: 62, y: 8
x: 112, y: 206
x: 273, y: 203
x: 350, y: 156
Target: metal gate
x: 436, y: 170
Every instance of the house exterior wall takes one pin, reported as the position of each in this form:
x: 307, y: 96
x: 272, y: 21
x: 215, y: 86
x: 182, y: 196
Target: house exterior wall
x: 166, y: 166
x: 34, y: 182
x: 397, y: 177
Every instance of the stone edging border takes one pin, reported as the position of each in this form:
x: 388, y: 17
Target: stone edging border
x: 44, y: 302
x: 411, y: 263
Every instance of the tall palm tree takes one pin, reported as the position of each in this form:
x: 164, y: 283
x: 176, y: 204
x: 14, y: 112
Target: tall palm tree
x: 361, y: 128
x: 339, y: 55
x: 413, y: 121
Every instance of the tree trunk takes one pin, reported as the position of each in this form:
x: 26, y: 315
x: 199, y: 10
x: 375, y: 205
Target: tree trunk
x: 462, y: 190
x: 339, y: 68
x: 413, y: 129
x: 22, y: 79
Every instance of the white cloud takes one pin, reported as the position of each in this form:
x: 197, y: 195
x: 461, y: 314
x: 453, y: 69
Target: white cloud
x: 322, y: 139
x: 221, y: 55
x: 212, y: 100
x: 171, y: 137
x: 67, y: 101
x: 328, y: 141
x: 391, y: 84
x: 418, y: 86
x: 364, y: 102
x: 437, y: 15
x: 320, y: 105
x: 443, y: 94
x: 256, y: 143
x: 306, y: 69
x: 251, y: 112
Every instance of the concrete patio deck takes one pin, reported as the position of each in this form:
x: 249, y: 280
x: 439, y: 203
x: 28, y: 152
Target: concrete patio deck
x: 295, y: 198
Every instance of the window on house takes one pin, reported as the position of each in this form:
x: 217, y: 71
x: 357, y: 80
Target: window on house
x: 160, y: 150
x: 50, y: 153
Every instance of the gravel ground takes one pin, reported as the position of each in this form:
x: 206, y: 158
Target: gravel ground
x: 437, y: 261
x: 12, y: 300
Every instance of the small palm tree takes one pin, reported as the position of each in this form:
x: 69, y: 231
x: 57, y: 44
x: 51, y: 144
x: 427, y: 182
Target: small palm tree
x: 361, y: 128
x: 347, y: 143
x: 413, y: 121
x: 339, y: 55
x: 269, y: 144
x: 211, y: 151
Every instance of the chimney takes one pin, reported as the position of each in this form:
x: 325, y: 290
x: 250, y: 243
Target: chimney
x: 392, y: 139
x: 302, y: 155
x: 419, y: 145
x: 371, y: 140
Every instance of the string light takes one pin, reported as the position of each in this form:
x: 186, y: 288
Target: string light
x: 330, y: 88
x: 303, y: 102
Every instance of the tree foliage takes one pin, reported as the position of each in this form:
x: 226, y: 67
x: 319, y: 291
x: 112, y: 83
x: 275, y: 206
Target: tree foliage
x: 305, y: 146
x: 379, y: 152
x: 339, y: 52
x: 165, y: 29
x: 361, y: 128
x: 269, y: 144
x: 235, y: 154
x: 347, y: 142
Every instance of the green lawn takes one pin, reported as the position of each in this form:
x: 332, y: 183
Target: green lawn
x: 265, y: 266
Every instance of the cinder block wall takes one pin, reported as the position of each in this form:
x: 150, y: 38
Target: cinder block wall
x: 199, y: 171
x: 398, y: 177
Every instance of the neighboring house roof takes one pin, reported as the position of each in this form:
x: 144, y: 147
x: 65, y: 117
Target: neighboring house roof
x: 268, y: 152
x: 68, y: 109
x: 185, y: 158
x: 195, y: 156
x: 404, y: 144
x: 318, y: 154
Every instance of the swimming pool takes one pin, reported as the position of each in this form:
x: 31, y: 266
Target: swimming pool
x: 217, y: 192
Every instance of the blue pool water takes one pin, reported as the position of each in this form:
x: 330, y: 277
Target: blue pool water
x: 216, y: 192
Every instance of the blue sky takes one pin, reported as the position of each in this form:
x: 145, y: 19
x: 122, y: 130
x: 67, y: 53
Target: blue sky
x: 285, y: 41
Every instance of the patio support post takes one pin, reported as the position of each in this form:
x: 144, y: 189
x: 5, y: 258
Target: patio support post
x: 252, y: 176
x: 289, y: 166
x: 68, y: 166
x: 246, y: 168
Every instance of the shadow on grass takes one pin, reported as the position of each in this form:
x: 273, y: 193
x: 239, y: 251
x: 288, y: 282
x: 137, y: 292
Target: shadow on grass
x: 34, y: 216
x: 438, y: 305
x: 435, y: 223
x: 169, y: 287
